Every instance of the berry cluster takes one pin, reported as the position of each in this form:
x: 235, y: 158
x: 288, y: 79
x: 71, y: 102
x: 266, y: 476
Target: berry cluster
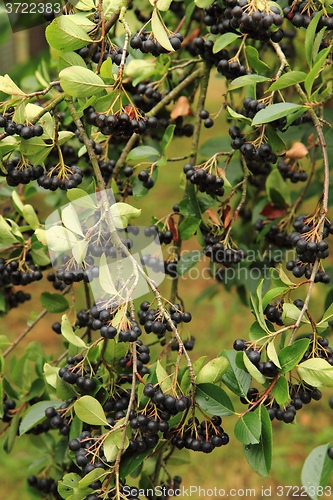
x: 7, y: 406
x: 188, y: 344
x: 204, y: 436
x: 75, y: 373
x: 255, y: 157
x: 45, y: 485
x: 19, y: 172
x: 62, y: 423
x: 57, y: 284
x: 274, y: 235
x: 308, y: 250
x: 142, y: 359
x: 267, y: 368
x: 144, y: 41
x: 111, y: 51
x: 318, y: 348
x: 206, y: 182
x: 146, y: 180
x: 54, y: 179
x: 289, y: 173
x: 153, y: 322
x: 16, y: 298
x: 274, y: 312
x: 223, y: 254
x: 300, y: 14
x: 24, y: 131
x: 11, y: 274
x: 258, y: 25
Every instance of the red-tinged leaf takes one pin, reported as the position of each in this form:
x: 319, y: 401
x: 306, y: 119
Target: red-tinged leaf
x: 173, y: 228
x: 226, y: 216
x: 213, y: 215
x: 273, y: 212
x: 129, y: 111
x: 182, y: 108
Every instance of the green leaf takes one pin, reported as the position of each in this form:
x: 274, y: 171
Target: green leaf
x: 105, y: 278
x: 290, y: 355
x: 63, y: 390
x: 248, y: 428
x: 202, y: 3
x: 92, y: 476
x: 243, y: 81
x: 89, y: 410
x: 17, y: 202
x: 159, y: 31
x: 167, y: 137
x: 6, y: 232
x: 114, y: 352
x: 259, y: 456
x: 213, y: 371
x: 142, y: 152
x: 237, y: 380
x: 213, y: 400
x: 328, y: 314
x: 276, y: 188
x: 64, y: 34
x: 53, y: 302
x: 60, y: 239
x: 281, y: 390
x: 30, y: 216
x: 12, y: 433
x: 291, y: 314
x: 187, y: 261
x: 164, y: 380
x: 310, y: 36
x: 316, y: 46
x: 80, y: 82
x: 188, y: 227
x: 81, y: 198
x: 316, y: 372
x: 70, y: 59
x: 122, y: 213
x: 271, y: 294
x: 186, y: 378
x: 36, y: 414
x: 278, y: 145
x: 256, y: 63
x: 223, y: 41
x: 70, y: 219
x: 163, y: 5
x: 51, y: 374
x: 275, y: 111
x: 214, y: 145
x: 287, y: 80
x: 253, y: 370
x: 317, y: 470
x: 9, y: 87
x: 130, y: 461
x: 67, y: 332
x: 317, y: 68
x: 110, y: 448
x: 39, y: 257
x: 237, y: 116
x: 272, y: 354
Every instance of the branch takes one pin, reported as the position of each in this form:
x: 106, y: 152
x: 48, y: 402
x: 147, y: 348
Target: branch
x: 30, y: 327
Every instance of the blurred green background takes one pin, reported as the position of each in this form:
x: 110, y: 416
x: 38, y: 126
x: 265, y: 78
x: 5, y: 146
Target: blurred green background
x: 216, y: 324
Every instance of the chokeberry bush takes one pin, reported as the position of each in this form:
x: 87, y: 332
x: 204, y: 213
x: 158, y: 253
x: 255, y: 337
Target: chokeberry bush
x: 123, y: 81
